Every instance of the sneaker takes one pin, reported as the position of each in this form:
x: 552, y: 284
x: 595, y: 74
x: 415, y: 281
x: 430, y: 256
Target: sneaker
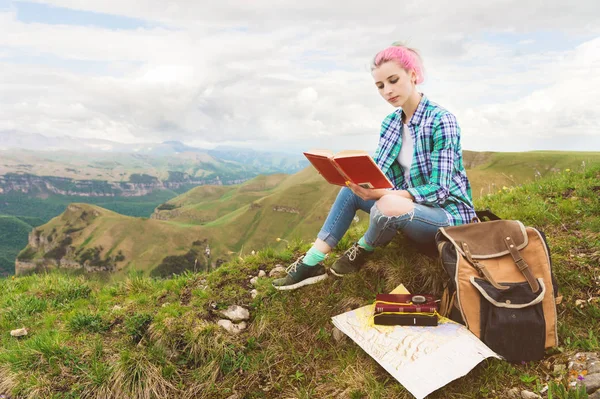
x: 351, y: 261
x: 300, y: 275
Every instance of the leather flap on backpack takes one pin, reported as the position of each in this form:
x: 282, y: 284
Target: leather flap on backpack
x: 486, y: 239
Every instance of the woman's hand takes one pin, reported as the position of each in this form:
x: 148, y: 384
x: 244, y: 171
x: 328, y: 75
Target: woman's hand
x: 366, y: 193
x: 375, y: 194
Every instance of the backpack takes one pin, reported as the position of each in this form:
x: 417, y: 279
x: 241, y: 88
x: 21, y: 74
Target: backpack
x: 500, y: 286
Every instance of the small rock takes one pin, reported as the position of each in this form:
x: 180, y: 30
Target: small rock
x: 277, y: 271
x: 591, y: 382
x: 580, y: 302
x: 20, y: 332
x: 529, y: 395
x: 513, y: 393
x: 254, y: 280
x: 595, y: 395
x: 254, y: 293
x: 338, y: 335
x: 262, y: 273
x: 231, y: 327
x: 236, y: 313
x: 544, y: 389
x: 117, y: 307
x: 594, y: 367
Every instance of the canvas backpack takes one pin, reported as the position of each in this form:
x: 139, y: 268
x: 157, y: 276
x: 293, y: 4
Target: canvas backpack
x: 500, y: 286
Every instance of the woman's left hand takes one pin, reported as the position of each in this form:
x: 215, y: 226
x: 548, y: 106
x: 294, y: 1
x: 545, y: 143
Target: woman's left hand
x: 366, y: 194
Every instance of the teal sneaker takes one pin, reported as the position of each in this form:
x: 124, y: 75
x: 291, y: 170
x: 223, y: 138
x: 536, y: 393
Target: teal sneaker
x: 351, y: 261
x: 300, y: 275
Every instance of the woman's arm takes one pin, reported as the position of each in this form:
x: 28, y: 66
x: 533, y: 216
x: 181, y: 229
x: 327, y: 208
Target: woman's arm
x: 446, y: 137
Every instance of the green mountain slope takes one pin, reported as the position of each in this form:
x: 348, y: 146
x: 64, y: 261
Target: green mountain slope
x: 147, y: 338
x: 13, y: 237
x: 250, y: 216
x: 40, y: 210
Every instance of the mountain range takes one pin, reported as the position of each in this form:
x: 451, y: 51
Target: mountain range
x: 233, y: 219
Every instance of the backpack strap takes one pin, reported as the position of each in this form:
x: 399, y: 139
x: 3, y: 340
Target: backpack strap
x: 483, y: 271
x: 521, y: 264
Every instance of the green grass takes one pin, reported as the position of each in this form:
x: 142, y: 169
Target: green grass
x: 145, y: 337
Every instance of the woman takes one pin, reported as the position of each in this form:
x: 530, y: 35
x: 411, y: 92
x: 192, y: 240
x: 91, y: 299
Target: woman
x: 420, y: 151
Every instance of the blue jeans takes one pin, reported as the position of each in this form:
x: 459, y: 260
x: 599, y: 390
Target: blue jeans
x: 419, y: 225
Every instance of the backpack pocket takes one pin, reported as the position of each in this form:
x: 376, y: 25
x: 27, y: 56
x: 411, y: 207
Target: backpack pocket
x: 512, y: 320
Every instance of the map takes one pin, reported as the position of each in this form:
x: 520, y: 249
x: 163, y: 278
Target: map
x: 443, y: 353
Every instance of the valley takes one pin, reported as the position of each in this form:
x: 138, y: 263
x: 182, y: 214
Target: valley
x: 236, y: 220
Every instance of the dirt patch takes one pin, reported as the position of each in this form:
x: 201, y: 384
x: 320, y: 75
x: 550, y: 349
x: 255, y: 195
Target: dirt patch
x: 186, y: 295
x: 568, y: 193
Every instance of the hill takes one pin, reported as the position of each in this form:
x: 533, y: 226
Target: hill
x: 149, y: 338
x: 253, y: 214
x: 246, y: 217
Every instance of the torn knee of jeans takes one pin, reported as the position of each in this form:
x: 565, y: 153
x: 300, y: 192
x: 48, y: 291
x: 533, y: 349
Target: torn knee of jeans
x: 379, y: 214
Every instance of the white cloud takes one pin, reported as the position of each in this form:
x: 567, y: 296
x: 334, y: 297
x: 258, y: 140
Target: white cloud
x: 278, y: 74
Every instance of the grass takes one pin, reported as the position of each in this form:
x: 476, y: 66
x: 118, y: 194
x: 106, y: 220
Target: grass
x: 147, y: 338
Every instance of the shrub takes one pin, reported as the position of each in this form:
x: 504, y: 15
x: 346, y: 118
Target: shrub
x: 60, y: 250
x: 26, y: 254
x: 177, y: 264
x: 166, y: 207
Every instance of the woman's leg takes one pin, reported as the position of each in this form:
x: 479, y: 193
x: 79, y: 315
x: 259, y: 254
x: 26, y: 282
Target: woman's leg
x: 339, y: 219
x: 308, y: 269
x: 416, y: 221
x: 388, y: 215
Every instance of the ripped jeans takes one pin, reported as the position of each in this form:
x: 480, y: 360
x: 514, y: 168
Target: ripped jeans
x: 419, y: 225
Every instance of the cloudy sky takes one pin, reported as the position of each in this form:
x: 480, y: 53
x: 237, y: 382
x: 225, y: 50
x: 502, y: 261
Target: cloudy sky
x: 274, y: 74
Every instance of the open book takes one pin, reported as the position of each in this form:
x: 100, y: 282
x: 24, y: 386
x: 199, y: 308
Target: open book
x: 353, y: 165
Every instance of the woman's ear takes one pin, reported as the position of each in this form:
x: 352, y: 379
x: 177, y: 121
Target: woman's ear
x: 413, y: 77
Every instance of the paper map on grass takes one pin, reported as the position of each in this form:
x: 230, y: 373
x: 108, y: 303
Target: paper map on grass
x: 422, y: 359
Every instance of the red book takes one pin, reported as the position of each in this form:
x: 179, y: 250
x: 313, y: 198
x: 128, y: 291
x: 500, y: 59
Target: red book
x: 405, y: 303
x: 355, y: 166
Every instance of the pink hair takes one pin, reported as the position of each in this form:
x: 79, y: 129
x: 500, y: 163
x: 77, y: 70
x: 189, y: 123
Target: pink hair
x: 407, y: 58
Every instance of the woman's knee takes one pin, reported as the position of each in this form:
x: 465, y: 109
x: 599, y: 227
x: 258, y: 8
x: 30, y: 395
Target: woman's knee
x: 393, y: 205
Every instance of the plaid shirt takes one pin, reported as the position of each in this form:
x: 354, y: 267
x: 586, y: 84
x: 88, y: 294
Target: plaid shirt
x: 437, y: 174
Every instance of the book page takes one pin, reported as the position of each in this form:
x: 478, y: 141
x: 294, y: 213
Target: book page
x: 326, y: 168
x: 320, y: 153
x: 351, y: 153
x: 442, y: 353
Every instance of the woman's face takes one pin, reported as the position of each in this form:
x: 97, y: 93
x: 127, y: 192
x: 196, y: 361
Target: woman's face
x: 394, y: 84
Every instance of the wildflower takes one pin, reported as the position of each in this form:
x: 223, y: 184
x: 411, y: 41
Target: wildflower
x: 504, y: 188
x: 278, y: 239
x: 567, y: 170
x: 580, y: 377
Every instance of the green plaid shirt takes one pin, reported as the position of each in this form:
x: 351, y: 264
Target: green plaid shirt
x: 437, y: 175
